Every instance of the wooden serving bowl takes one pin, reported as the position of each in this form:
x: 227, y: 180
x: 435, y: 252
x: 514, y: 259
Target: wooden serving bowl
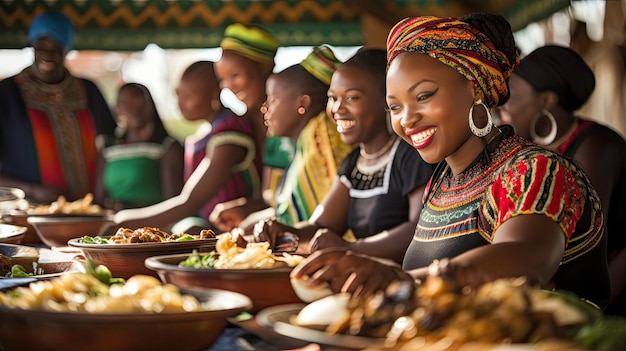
x: 125, y: 260
x: 55, y: 230
x: 265, y: 287
x: 26, y: 330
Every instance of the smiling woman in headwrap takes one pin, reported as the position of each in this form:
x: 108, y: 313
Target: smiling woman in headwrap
x: 50, y: 120
x: 549, y: 84
x: 247, y: 61
x: 498, y: 204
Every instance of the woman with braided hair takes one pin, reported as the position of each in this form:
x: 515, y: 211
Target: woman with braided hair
x: 496, y: 203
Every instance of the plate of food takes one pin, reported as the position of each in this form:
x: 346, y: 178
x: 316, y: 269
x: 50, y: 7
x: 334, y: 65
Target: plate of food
x: 125, y: 252
x: 444, y: 314
x: 80, y: 312
x: 283, y: 319
x: 254, y: 270
x: 21, y: 264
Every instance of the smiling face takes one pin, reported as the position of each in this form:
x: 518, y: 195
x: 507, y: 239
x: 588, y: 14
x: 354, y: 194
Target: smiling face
x: 429, y: 104
x: 357, y: 105
x: 281, y: 109
x: 523, y: 106
x: 49, y: 60
x: 244, y: 77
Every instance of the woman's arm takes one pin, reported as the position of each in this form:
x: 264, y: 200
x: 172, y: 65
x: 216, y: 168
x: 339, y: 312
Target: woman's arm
x: 331, y: 213
x: 172, y: 171
x: 204, y: 183
x: 526, y: 245
x: 390, y: 244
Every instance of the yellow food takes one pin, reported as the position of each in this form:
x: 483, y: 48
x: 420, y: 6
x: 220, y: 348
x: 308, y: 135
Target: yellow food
x: 84, y: 293
x: 254, y: 255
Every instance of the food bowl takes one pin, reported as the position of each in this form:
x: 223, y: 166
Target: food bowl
x: 265, y: 287
x: 20, y: 218
x: 25, y: 330
x: 55, y: 230
x: 12, y: 234
x: 10, y: 198
x: 125, y: 260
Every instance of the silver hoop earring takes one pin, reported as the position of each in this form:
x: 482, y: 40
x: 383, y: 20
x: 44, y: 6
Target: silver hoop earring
x: 548, y: 139
x: 480, y: 132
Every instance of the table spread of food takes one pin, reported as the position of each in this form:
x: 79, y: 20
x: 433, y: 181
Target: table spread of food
x: 436, y: 313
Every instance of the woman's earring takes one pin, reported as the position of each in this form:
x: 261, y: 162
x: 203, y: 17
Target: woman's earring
x: 480, y: 132
x: 548, y: 139
x: 301, y: 110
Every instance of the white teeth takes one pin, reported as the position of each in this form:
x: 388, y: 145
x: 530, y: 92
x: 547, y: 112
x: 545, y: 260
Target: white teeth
x: 343, y: 124
x: 422, y: 136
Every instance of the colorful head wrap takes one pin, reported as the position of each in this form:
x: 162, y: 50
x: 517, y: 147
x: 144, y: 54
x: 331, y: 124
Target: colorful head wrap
x: 54, y: 24
x: 254, y: 43
x: 458, y: 45
x: 561, y: 70
x: 321, y: 63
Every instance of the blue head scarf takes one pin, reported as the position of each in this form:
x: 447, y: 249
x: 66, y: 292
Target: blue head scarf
x: 54, y: 24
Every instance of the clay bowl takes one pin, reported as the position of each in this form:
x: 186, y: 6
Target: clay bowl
x: 125, y: 260
x: 265, y: 287
x: 25, y: 330
x: 20, y: 218
x: 10, y: 198
x: 12, y: 234
x: 55, y: 230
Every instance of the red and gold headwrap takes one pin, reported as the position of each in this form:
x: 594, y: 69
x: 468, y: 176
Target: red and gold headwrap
x: 458, y: 45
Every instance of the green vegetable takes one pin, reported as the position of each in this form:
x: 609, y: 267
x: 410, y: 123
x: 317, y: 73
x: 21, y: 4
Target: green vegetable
x: 607, y: 333
x: 195, y: 260
x: 185, y: 237
x: 102, y: 273
x: 93, y: 240
x: 18, y: 271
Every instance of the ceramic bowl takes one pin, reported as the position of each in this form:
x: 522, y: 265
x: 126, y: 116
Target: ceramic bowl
x: 55, y: 230
x: 25, y: 330
x: 265, y: 287
x: 12, y: 234
x: 125, y: 260
x: 10, y: 198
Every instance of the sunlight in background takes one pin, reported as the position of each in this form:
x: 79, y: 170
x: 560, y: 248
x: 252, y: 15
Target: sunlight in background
x: 160, y: 69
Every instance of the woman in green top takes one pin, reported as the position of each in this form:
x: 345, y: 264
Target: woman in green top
x: 144, y: 165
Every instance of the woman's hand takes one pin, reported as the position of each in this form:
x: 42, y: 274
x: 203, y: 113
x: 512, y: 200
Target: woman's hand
x: 228, y: 215
x: 346, y: 271
x: 326, y: 238
x: 277, y: 234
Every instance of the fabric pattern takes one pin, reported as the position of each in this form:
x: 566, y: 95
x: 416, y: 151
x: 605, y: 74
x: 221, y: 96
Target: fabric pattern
x: 319, y: 151
x: 464, y: 211
x: 458, y: 45
x: 229, y: 129
x: 380, y: 201
x: 252, y: 42
x: 48, y: 131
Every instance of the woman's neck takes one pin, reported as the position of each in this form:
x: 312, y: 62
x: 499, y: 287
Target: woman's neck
x: 463, y: 157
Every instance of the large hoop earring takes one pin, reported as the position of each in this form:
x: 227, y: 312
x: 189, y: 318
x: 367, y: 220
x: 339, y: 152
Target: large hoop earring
x: 480, y: 132
x: 548, y: 139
